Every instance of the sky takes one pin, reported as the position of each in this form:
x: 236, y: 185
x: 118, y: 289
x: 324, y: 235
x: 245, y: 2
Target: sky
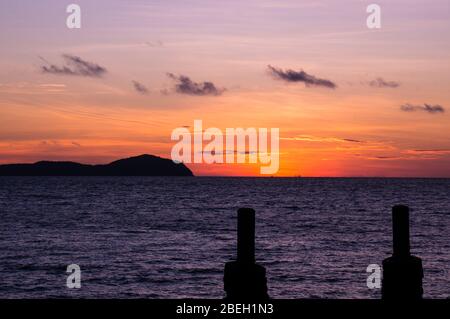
x: 348, y: 100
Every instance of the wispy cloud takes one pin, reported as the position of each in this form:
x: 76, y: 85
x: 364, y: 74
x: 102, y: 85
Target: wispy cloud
x: 74, y: 65
x: 52, y: 85
x: 380, y: 157
x: 419, y: 154
x: 432, y: 109
x: 300, y: 76
x: 154, y: 44
x: 381, y: 83
x: 340, y: 144
x: 140, y: 88
x: 184, y: 85
x: 32, y: 88
x: 430, y: 152
x: 311, y: 138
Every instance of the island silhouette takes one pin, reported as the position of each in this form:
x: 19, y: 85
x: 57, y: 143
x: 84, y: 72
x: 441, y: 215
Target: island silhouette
x: 142, y: 165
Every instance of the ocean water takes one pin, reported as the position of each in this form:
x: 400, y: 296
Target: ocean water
x: 152, y: 237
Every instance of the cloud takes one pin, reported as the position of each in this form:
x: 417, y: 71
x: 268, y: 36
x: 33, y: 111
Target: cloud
x: 311, y: 138
x: 154, y: 44
x: 225, y: 152
x: 20, y: 87
x: 300, y: 76
x: 430, y: 152
x: 184, y: 85
x: 418, y: 154
x: 340, y: 144
x: 352, y: 140
x: 388, y: 157
x: 52, y: 85
x: 410, y: 155
x: 380, y: 157
x: 432, y: 109
x: 140, y: 88
x: 165, y: 91
x: 381, y: 83
x: 74, y: 65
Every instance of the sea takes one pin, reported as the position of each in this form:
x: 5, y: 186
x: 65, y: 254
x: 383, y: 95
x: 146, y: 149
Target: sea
x: 170, y: 237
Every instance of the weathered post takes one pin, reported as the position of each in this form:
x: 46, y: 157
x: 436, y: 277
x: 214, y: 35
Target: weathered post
x: 243, y: 278
x: 402, y: 272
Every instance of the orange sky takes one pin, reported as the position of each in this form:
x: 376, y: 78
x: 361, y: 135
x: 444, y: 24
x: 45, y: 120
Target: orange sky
x: 356, y: 129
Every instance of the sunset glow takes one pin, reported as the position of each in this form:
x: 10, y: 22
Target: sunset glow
x: 388, y: 114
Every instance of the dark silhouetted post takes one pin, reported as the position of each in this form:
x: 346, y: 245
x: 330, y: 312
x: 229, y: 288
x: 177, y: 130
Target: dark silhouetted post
x: 243, y: 278
x: 246, y: 235
x: 402, y: 273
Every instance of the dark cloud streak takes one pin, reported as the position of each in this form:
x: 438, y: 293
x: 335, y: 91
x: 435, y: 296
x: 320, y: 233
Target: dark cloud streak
x: 432, y: 109
x: 74, y: 66
x: 300, y: 76
x: 140, y: 88
x: 381, y: 83
x: 184, y: 85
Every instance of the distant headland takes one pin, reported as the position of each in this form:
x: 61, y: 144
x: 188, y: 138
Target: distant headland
x: 142, y: 165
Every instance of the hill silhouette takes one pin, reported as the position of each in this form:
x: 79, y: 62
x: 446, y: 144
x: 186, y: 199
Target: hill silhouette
x: 143, y: 165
